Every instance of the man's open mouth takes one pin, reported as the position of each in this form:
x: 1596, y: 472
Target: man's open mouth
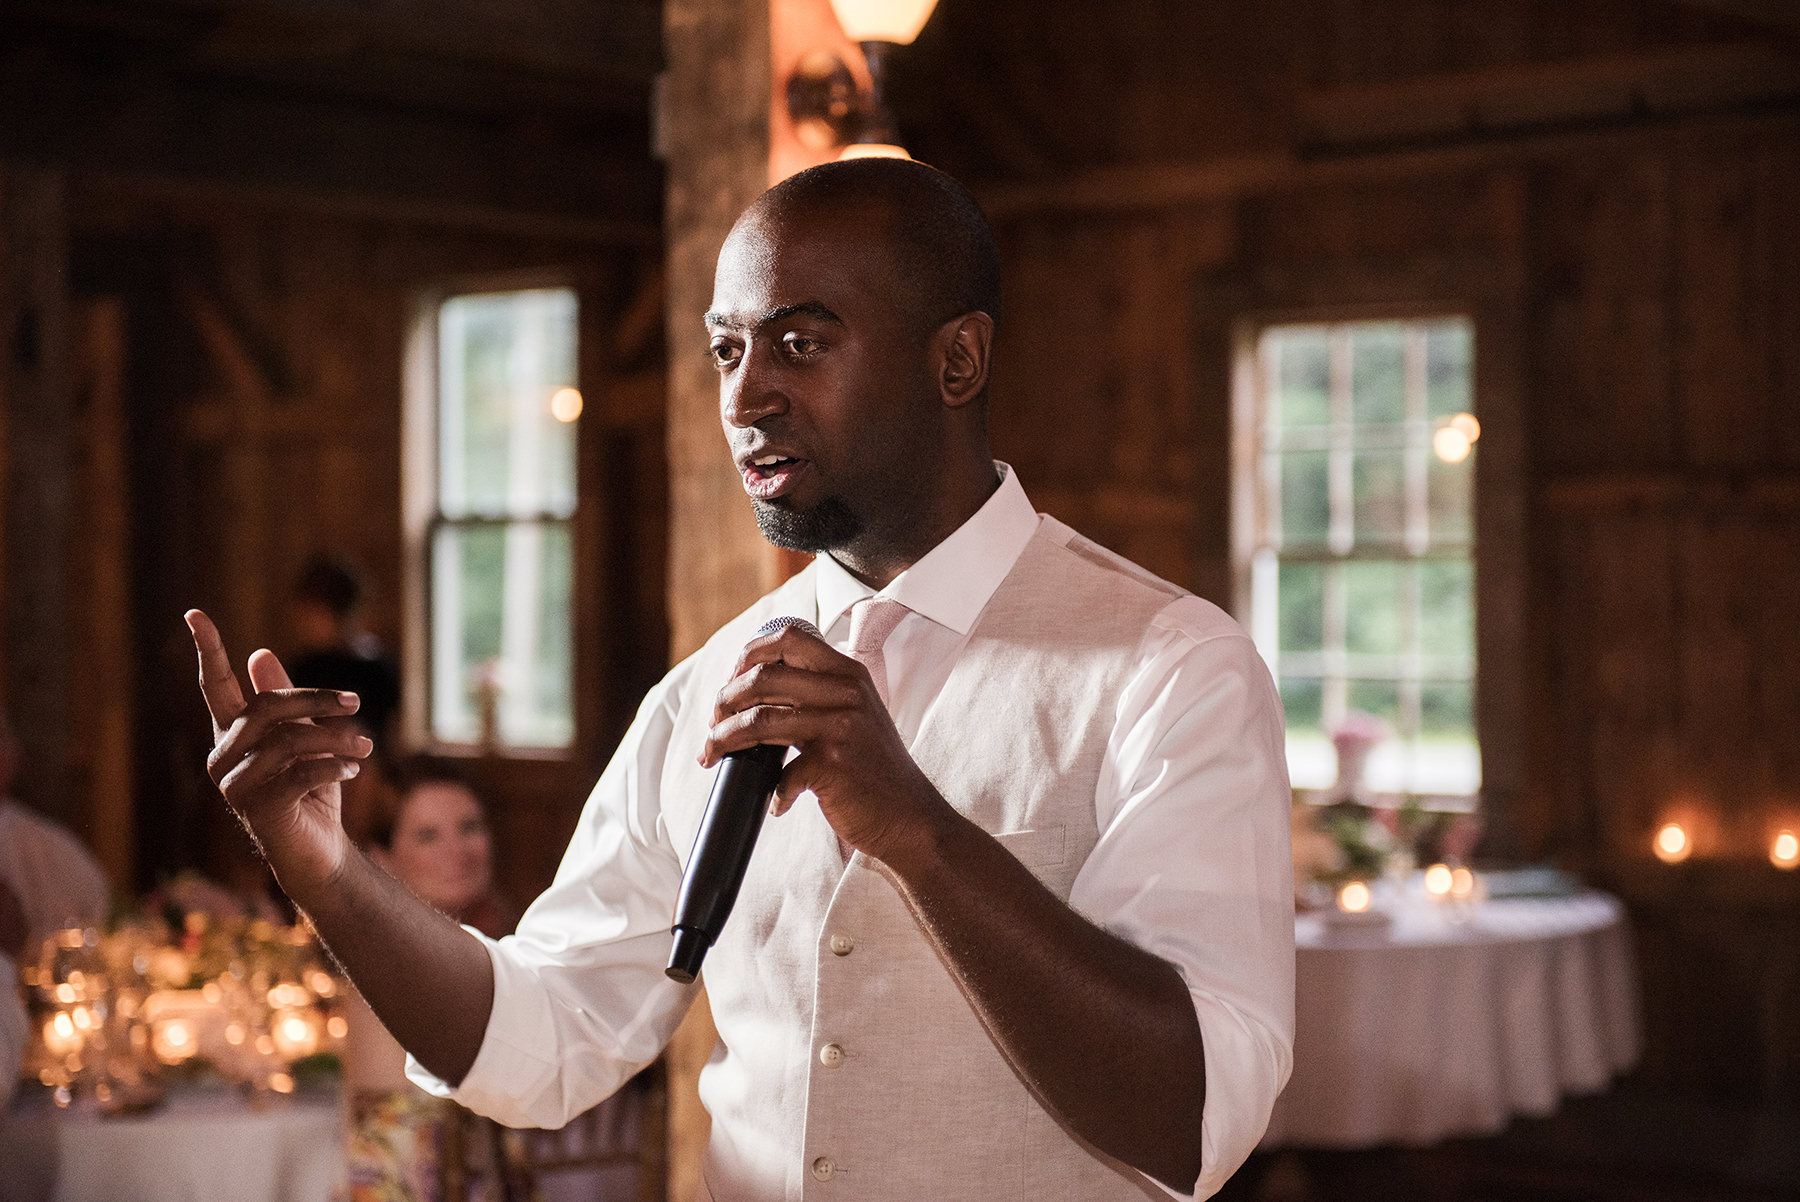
x: 769, y: 476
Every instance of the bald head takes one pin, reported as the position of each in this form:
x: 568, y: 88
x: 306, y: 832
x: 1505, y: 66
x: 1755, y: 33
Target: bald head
x: 943, y: 255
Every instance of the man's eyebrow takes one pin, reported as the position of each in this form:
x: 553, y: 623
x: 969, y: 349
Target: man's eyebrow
x: 725, y: 321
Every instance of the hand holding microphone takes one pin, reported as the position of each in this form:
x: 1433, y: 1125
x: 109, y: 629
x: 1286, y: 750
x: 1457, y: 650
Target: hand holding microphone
x: 734, y: 815
x: 791, y: 689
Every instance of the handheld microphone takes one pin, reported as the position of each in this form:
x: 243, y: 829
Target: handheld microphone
x: 721, y: 853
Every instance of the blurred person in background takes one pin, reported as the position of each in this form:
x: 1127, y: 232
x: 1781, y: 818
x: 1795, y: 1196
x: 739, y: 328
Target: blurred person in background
x: 334, y: 651
x: 432, y: 837
x: 57, y: 881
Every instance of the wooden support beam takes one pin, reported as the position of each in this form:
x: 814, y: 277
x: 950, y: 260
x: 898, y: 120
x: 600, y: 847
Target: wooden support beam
x: 103, y: 610
x: 1538, y: 96
x: 714, y: 132
x: 1144, y: 187
x: 38, y: 432
x: 362, y: 205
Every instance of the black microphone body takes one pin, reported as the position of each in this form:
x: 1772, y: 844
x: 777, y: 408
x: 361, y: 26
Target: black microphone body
x: 727, y: 836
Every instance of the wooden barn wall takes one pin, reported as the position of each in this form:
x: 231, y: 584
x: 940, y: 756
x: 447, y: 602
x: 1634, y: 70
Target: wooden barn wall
x: 1151, y: 182
x: 257, y: 358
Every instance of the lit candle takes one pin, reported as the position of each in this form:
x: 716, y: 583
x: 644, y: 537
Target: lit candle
x: 173, y: 1041
x: 1437, y: 880
x: 1672, y: 844
x: 1784, y: 850
x: 61, y: 1038
x: 1354, y: 898
x: 296, y: 1033
x: 1462, y: 884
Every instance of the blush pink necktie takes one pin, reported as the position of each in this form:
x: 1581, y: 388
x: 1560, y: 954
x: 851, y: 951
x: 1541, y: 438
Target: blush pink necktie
x: 871, y: 621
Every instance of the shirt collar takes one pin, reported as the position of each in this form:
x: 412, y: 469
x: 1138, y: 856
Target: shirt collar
x: 952, y: 582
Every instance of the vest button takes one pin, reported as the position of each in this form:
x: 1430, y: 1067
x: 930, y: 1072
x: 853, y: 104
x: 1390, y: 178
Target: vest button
x: 823, y: 1168
x: 842, y: 945
x: 831, y: 1055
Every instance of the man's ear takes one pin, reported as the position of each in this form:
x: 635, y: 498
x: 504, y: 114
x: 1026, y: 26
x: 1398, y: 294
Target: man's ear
x: 965, y: 347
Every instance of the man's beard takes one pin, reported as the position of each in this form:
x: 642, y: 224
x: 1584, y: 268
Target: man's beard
x: 826, y: 526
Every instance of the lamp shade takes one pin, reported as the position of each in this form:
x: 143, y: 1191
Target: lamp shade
x: 897, y: 21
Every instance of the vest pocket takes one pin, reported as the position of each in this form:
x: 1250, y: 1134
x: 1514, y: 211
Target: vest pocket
x: 1040, y: 848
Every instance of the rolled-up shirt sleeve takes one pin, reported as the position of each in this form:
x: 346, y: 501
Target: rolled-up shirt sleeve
x: 1193, y: 861
x: 580, y: 999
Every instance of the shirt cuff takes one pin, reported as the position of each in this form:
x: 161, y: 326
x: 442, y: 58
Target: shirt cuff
x: 1245, y: 1071
x: 507, y: 1072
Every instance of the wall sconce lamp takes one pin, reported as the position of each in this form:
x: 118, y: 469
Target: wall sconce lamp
x: 822, y: 98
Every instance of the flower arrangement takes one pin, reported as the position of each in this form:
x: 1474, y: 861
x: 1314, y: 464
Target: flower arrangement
x: 194, y: 983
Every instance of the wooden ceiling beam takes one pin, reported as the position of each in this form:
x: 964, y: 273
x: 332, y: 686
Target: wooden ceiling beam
x: 583, y: 40
x: 1542, y: 95
x: 1170, y: 184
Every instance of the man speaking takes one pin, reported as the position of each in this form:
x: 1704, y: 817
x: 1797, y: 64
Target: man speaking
x: 1020, y: 926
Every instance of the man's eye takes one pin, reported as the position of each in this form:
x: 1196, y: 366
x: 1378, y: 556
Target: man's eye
x: 800, y: 344
x: 723, y: 353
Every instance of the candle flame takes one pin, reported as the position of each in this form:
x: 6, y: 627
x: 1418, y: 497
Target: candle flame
x: 1784, y: 851
x: 1672, y: 843
x: 1354, y: 898
x: 1437, y: 880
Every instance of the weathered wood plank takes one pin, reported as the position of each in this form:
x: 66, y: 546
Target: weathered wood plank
x: 35, y: 634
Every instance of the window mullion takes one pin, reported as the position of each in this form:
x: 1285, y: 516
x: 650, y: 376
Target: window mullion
x: 1418, y: 521
x: 1340, y: 466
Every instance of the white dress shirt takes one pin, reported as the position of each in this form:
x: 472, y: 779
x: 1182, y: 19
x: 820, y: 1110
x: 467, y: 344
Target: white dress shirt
x: 1192, y: 863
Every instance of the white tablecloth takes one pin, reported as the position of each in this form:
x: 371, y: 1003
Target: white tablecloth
x: 1432, y: 1028
x: 198, y: 1147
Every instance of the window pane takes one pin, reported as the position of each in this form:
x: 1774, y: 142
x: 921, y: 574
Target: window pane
x: 1378, y: 697
x: 1447, y: 612
x: 1302, y: 597
x: 1378, y: 615
x: 1447, y: 489
x: 1378, y: 482
x: 1301, y: 697
x: 502, y: 643
x: 1447, y: 368
x: 1372, y: 608
x: 1302, y: 378
x: 502, y: 356
x: 1305, y: 498
x: 1378, y: 372
x: 1447, y: 708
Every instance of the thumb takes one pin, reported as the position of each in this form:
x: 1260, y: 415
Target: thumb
x: 267, y: 673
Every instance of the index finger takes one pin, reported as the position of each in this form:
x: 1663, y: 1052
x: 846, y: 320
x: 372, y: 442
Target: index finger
x: 795, y: 646
x: 218, y: 683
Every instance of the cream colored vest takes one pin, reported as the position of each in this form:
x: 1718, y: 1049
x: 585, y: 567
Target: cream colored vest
x: 849, y: 1064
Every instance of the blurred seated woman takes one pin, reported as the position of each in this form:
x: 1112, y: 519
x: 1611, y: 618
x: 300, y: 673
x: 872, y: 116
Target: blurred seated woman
x: 405, y: 1145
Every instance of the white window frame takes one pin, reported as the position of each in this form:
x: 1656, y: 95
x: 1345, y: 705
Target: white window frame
x: 422, y: 517
x: 1257, y: 550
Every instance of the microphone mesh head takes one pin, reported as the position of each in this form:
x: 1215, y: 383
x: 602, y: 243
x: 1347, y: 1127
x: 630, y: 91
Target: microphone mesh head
x: 786, y: 620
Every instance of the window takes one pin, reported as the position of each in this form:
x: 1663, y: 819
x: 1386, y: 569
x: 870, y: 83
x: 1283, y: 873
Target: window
x: 492, y: 459
x: 1359, y: 544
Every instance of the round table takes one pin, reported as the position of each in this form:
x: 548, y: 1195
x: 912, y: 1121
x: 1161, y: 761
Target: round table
x: 1452, y: 1019
x: 199, y: 1146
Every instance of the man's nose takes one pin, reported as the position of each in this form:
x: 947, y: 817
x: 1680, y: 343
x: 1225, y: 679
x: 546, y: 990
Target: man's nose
x: 752, y: 392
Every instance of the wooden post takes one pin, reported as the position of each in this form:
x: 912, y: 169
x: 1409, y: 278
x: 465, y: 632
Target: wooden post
x: 714, y: 133
x: 725, y: 137
x: 103, y: 610
x: 35, y: 445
